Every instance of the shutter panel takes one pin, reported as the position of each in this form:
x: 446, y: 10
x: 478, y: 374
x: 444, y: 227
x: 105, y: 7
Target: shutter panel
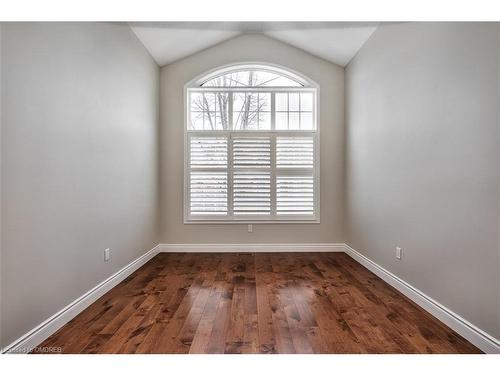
x: 294, y: 195
x: 251, y: 190
x: 208, y: 193
x: 251, y: 152
x: 208, y: 152
x: 295, y: 152
x: 251, y: 193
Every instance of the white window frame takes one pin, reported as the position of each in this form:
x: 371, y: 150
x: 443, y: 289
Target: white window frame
x: 273, y: 218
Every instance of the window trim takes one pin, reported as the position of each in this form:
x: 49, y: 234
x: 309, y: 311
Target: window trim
x: 309, y: 86
x: 272, y: 68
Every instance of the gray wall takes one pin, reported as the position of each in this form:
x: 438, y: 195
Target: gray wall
x: 247, y: 48
x: 79, y: 163
x: 423, y: 158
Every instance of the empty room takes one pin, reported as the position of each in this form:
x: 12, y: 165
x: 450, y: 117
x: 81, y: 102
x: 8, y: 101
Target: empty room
x: 182, y: 187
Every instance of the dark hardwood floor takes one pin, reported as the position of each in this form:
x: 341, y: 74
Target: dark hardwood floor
x: 255, y: 303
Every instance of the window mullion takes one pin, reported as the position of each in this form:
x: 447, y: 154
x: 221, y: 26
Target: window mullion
x: 230, y: 109
x: 273, y: 111
x: 288, y: 110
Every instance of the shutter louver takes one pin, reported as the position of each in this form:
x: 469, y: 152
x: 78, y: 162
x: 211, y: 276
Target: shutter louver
x: 294, y: 152
x: 251, y: 152
x: 251, y: 193
x: 208, y: 193
x: 294, y: 195
x: 208, y: 152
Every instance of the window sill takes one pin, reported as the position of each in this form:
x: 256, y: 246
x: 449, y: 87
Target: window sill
x: 245, y: 222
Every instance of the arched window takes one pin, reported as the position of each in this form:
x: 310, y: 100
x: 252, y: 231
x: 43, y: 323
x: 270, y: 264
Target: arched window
x: 251, y: 146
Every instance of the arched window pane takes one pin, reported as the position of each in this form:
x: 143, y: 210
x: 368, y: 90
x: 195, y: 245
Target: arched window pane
x: 251, y: 78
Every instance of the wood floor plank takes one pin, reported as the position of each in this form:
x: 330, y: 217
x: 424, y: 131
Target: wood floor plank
x: 255, y: 303
x: 205, y: 327
x: 217, y: 340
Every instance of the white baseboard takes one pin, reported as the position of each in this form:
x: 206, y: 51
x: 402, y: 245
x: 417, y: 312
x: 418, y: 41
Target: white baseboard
x: 251, y: 248
x: 475, y: 335
x: 45, y: 329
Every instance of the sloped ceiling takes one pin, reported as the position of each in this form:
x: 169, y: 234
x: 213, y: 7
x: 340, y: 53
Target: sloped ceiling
x: 337, y: 42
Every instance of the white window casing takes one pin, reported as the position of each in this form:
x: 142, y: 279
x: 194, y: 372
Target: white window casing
x: 252, y: 151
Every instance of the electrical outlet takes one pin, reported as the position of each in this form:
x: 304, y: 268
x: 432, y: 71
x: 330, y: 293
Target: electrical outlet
x: 250, y: 228
x: 399, y: 252
x: 107, y: 255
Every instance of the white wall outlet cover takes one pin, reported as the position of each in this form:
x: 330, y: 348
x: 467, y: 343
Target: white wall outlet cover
x: 250, y: 228
x: 107, y: 255
x: 398, y: 252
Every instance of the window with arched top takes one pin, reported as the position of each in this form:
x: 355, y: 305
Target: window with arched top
x: 252, y: 146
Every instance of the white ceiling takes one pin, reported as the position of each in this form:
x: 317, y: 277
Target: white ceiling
x: 337, y: 42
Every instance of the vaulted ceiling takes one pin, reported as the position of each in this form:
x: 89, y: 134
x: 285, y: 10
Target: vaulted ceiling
x: 337, y: 42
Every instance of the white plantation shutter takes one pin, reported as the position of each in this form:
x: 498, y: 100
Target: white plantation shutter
x: 208, y: 152
x: 295, y: 191
x: 254, y: 152
x: 252, y: 193
x: 208, y: 193
x: 208, y: 181
x: 262, y: 176
x: 295, y: 152
x: 294, y: 195
x: 251, y: 190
